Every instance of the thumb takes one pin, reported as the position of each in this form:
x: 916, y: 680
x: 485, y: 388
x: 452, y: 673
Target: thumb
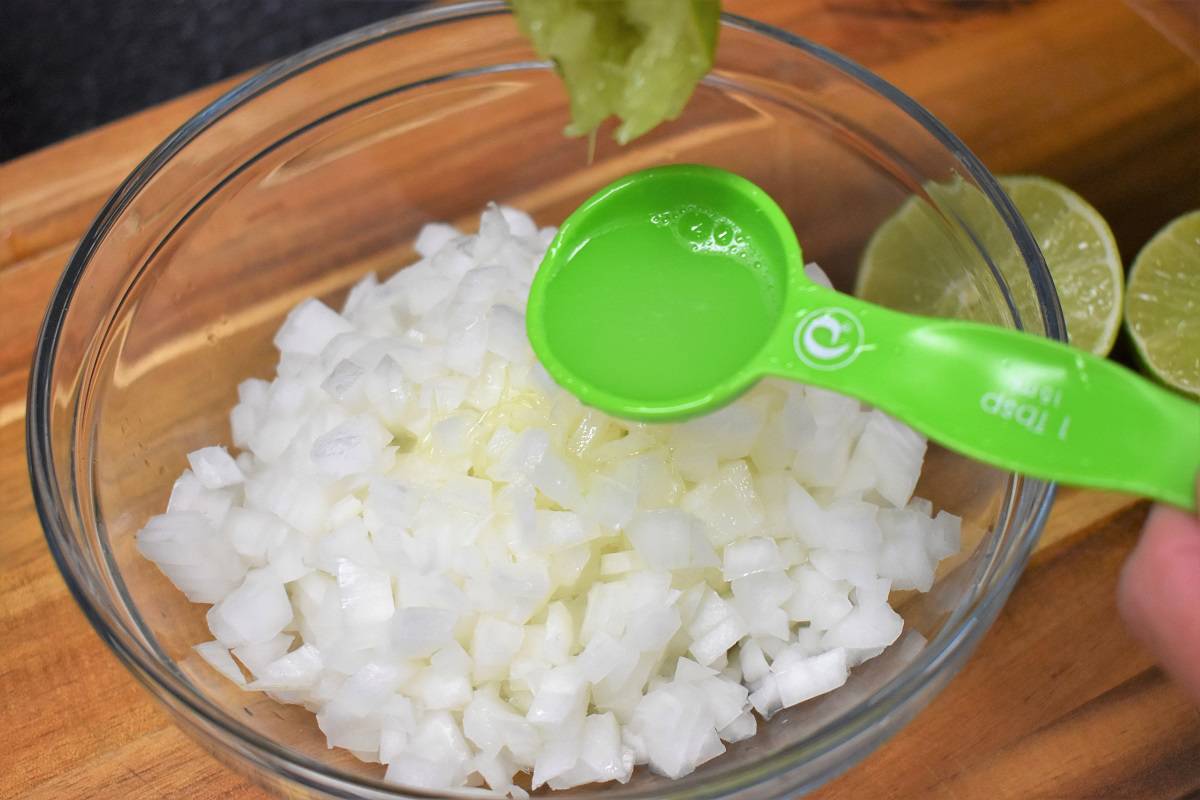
x: 1159, y: 593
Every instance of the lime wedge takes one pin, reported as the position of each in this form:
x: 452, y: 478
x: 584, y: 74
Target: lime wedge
x: 917, y: 262
x: 1082, y: 256
x: 637, y: 59
x: 1162, y: 305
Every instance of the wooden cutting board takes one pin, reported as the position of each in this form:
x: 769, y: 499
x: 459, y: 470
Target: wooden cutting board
x: 1058, y: 701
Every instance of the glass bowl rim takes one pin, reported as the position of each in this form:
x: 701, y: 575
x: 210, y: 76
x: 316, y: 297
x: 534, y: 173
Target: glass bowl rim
x: 165, y: 683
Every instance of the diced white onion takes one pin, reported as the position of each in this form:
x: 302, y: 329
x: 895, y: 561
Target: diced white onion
x: 466, y: 574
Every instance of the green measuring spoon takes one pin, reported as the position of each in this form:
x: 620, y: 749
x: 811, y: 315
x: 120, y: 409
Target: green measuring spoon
x: 673, y: 290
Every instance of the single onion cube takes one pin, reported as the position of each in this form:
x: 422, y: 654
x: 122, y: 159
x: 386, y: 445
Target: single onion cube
x: 215, y: 468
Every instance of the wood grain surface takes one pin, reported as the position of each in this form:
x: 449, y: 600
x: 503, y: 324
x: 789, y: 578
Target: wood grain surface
x: 1058, y: 702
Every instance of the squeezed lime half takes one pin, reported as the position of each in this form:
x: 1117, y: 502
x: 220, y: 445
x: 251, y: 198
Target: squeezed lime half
x: 636, y: 59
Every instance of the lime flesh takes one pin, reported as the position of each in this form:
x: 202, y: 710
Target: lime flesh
x: 919, y: 262
x: 1162, y: 305
x: 1082, y: 256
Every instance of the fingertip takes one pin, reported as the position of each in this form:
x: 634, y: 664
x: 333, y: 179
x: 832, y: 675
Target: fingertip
x: 1158, y: 593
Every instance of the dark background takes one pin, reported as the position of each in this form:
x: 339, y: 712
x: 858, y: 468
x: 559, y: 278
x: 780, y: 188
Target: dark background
x: 70, y: 65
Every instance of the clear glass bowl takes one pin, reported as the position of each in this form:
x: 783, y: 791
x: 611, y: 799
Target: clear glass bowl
x: 322, y: 168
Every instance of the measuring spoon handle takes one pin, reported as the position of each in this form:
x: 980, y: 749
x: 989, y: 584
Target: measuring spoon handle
x: 1011, y: 399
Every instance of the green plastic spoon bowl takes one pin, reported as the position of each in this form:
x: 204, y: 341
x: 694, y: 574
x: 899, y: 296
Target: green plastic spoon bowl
x: 673, y: 290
